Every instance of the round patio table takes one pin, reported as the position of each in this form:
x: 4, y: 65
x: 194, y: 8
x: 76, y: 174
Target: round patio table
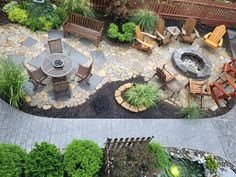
x: 52, y: 71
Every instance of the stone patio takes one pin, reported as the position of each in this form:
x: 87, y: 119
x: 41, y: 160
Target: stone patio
x: 111, y: 63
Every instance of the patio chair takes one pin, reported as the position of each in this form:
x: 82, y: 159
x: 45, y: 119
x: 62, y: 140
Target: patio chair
x: 160, y: 32
x: 61, y: 89
x: 215, y: 39
x: 55, y: 46
x: 188, y: 32
x: 219, y: 91
x: 84, y: 72
x: 230, y: 68
x: 169, y: 80
x: 142, y: 43
x: 37, y: 76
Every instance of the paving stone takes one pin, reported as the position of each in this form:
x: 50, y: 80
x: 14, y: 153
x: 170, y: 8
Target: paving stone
x: 29, y: 41
x: 55, y: 34
x: 38, y: 60
x: 46, y: 106
x: 29, y: 88
x: 85, y: 41
x: 94, y: 80
x: 27, y: 99
x: 99, y: 58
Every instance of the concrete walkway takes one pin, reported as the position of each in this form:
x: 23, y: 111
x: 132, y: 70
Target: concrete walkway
x: 217, y: 135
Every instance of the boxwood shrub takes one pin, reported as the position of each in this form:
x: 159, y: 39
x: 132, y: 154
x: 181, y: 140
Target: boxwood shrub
x: 44, y: 160
x: 12, y: 159
x: 82, y: 158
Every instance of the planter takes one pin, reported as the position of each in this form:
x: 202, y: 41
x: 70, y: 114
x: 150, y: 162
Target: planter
x: 121, y: 101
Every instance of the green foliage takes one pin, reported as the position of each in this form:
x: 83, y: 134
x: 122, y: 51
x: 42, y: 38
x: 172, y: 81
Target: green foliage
x: 211, y: 163
x: 132, y: 161
x: 18, y: 15
x: 143, y: 94
x: 192, y: 111
x: 10, y: 6
x: 82, y: 7
x: 162, y: 159
x: 44, y: 161
x: 145, y: 19
x: 12, y: 159
x: 62, y: 14
x: 83, y: 158
x: 12, y: 79
x: 33, y: 24
x: 127, y: 35
x: 46, y: 25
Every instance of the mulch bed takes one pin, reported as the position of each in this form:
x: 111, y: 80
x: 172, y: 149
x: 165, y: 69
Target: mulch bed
x: 3, y: 17
x: 103, y: 105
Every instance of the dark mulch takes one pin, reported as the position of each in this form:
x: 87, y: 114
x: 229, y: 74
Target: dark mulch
x: 3, y: 17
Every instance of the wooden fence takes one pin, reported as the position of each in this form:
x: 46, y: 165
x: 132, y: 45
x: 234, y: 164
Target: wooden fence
x: 207, y: 11
x: 116, y: 143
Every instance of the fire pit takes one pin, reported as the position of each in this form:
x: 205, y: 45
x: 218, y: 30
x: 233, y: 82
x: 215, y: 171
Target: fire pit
x: 192, y: 64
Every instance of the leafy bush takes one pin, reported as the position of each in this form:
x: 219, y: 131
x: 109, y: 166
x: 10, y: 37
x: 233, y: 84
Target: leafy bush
x: 145, y: 19
x: 12, y: 79
x: 192, y: 111
x: 82, y: 7
x: 12, y: 159
x: 62, y: 14
x: 82, y: 158
x: 44, y: 161
x: 33, y: 24
x: 10, y: 6
x: 127, y: 35
x: 45, y: 24
x: 211, y: 163
x: 143, y: 94
x: 132, y: 161
x: 18, y: 15
x: 162, y: 159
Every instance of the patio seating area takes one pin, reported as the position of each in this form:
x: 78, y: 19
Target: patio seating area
x: 110, y: 63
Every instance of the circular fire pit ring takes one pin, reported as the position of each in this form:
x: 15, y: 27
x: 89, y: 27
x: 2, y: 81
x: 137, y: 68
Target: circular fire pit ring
x: 192, y: 64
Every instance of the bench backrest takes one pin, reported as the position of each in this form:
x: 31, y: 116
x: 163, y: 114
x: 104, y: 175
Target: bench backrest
x: 86, y: 22
x: 217, y: 34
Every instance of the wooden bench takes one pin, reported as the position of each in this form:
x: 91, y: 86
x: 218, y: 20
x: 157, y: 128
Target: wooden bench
x: 85, y: 27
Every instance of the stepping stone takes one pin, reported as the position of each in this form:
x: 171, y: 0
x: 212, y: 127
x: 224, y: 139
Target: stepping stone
x: 85, y: 41
x: 38, y: 60
x: 94, y: 80
x: 99, y: 58
x: 55, y: 34
x: 19, y: 59
x: 28, y: 42
x: 29, y: 88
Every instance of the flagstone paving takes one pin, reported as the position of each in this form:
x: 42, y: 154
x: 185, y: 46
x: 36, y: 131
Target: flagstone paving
x: 111, y: 63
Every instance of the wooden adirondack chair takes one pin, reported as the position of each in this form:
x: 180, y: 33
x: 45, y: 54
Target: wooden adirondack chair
x: 160, y: 32
x: 142, y: 43
x: 188, y: 32
x: 230, y: 68
x: 215, y: 39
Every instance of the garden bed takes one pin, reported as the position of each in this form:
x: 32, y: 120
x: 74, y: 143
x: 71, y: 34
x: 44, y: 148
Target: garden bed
x: 3, y: 17
x: 103, y: 105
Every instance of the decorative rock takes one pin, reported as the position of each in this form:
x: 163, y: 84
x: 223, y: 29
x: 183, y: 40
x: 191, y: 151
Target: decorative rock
x: 133, y: 108
x: 46, y: 106
x: 27, y: 99
x: 117, y: 93
x: 122, y: 88
x: 126, y: 105
x: 59, y: 105
x: 119, y: 99
x: 102, y: 73
x: 43, y: 93
x: 128, y: 85
x: 78, y: 95
x: 142, y: 108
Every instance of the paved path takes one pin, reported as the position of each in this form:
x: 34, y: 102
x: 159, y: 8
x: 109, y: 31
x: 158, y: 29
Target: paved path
x: 216, y: 135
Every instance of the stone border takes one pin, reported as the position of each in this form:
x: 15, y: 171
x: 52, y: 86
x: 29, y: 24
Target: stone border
x: 120, y: 100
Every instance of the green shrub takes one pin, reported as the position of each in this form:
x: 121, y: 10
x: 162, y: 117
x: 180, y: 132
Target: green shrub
x: 33, y: 24
x: 192, y: 111
x: 145, y: 19
x: 12, y: 79
x: 82, y: 7
x: 9, y: 6
x: 143, y: 94
x: 62, y: 14
x: 127, y: 35
x: 162, y: 159
x: 18, y: 15
x: 211, y: 163
x: 82, y: 158
x: 44, y: 160
x: 12, y: 159
x: 46, y: 25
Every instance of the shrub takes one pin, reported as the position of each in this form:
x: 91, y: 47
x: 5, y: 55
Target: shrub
x: 192, y: 111
x: 18, y: 15
x: 82, y: 7
x: 145, y: 19
x: 12, y: 159
x: 162, y: 159
x: 9, y: 6
x: 33, y: 24
x: 127, y: 35
x: 12, y: 79
x: 46, y: 25
x: 44, y: 161
x: 62, y: 14
x: 82, y: 158
x: 132, y: 161
x: 143, y: 94
x: 211, y: 163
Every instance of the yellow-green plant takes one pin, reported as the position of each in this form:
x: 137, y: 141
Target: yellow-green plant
x: 18, y: 15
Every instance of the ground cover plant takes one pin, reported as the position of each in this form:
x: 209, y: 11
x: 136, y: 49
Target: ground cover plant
x: 12, y: 79
x: 211, y: 163
x: 192, y: 111
x: 36, y: 16
x: 12, y: 160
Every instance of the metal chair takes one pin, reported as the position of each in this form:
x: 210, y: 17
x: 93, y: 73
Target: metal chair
x: 84, y: 72
x: 61, y: 89
x: 55, y: 46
